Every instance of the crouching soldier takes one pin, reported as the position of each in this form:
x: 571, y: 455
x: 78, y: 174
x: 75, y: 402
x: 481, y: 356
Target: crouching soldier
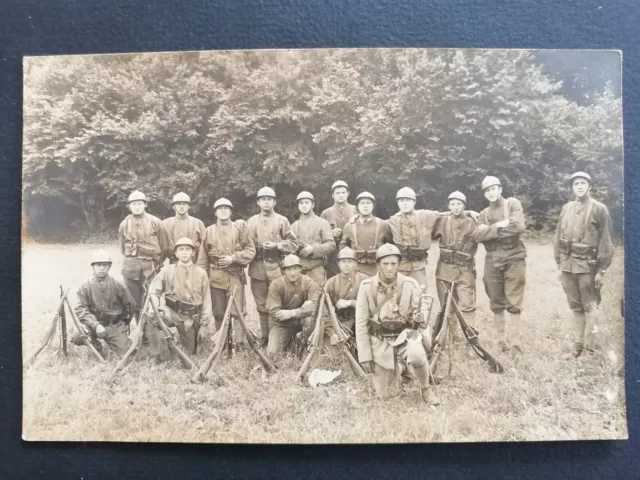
x: 292, y: 301
x: 583, y: 251
x: 389, y: 328
x: 188, y: 299
x: 457, y: 259
x: 105, y: 307
x: 343, y: 288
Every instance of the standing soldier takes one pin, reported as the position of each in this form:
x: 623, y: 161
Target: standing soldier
x: 343, y: 288
x: 315, y: 239
x: 179, y: 226
x: 105, y: 307
x: 583, y: 251
x: 365, y: 234
x: 457, y: 258
x: 292, y: 300
x: 500, y: 227
x: 187, y: 296
x: 338, y: 215
x: 224, y: 252
x: 140, y: 244
x: 389, y: 328
x: 271, y: 234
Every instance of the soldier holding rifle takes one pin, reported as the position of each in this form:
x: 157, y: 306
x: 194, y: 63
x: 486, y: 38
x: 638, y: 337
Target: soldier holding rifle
x: 337, y: 215
x: 583, y: 250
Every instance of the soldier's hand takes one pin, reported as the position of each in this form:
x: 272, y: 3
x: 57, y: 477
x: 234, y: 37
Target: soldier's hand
x: 225, y: 261
x: 240, y: 223
x: 367, y: 367
x: 472, y: 214
x: 203, y: 334
x: 306, y: 251
x: 269, y: 245
x: 337, y: 232
x: 598, y: 281
x: 282, y: 315
x: 100, y: 331
x: 340, y: 304
x: 503, y: 223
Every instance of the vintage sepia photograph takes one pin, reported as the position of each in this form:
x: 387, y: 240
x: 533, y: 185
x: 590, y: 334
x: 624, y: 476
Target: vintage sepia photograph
x: 325, y: 246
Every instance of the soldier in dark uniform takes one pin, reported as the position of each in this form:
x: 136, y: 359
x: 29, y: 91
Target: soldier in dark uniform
x: 179, y: 226
x: 583, y: 250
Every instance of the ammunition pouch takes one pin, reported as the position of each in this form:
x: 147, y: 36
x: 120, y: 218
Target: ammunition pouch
x: 565, y: 246
x: 507, y: 243
x: 583, y: 251
x: 108, y: 319
x: 414, y: 254
x: 183, y: 308
x: 366, y: 256
x: 268, y: 255
x: 146, y: 251
x: 456, y: 257
x: 131, y: 249
x: 388, y: 328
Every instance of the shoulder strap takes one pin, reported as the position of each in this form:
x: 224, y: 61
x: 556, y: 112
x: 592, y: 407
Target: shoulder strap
x: 355, y: 235
x: 375, y: 237
x: 505, y: 208
x: 587, y: 216
x: 374, y: 288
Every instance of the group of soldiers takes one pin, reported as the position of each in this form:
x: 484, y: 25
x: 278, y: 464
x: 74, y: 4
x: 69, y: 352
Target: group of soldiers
x: 373, y: 270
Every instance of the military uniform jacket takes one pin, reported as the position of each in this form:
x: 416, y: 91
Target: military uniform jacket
x: 503, y: 245
x: 175, y: 228
x: 371, y: 295
x: 103, y: 302
x: 140, y: 244
x: 315, y: 231
x: 595, y: 231
x: 338, y: 215
x: 223, y: 239
x: 186, y: 283
x: 413, y: 230
x: 286, y: 295
x: 365, y: 235
x: 345, y: 287
x: 455, y: 234
x: 274, y: 228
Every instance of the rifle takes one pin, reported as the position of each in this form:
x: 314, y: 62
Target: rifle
x: 186, y: 361
x: 52, y: 329
x: 441, y: 330
x: 220, y: 343
x: 471, y: 335
x: 63, y: 325
x: 318, y: 335
x: 341, y: 339
x: 83, y: 333
x: 251, y: 340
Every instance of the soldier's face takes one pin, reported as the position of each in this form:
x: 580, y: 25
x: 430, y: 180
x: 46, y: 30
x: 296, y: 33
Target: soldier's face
x: 293, y: 273
x: 184, y: 253
x: 581, y: 187
x: 493, y: 193
x: 181, y: 208
x: 406, y: 205
x: 340, y: 194
x: 365, y: 206
x: 305, y: 206
x: 137, y: 207
x: 456, y: 206
x: 223, y: 213
x: 101, y: 269
x: 389, y: 266
x: 266, y: 203
x: 347, y: 265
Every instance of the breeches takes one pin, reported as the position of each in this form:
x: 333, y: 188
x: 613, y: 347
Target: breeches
x: 580, y: 291
x: 505, y: 285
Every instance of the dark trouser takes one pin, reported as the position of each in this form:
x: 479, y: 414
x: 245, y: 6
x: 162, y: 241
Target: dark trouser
x: 260, y: 290
x: 136, y: 288
x: 419, y: 275
x: 317, y: 274
x: 282, y: 335
x: 580, y: 291
x: 505, y: 285
x: 465, y: 291
x: 219, y: 301
x: 117, y: 338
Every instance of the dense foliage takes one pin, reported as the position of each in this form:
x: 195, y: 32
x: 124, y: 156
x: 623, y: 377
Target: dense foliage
x: 226, y: 123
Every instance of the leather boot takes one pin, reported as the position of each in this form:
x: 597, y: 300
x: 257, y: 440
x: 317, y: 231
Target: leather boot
x: 429, y: 397
x: 515, y: 332
x: 501, y: 333
x: 590, y: 330
x: 264, y: 329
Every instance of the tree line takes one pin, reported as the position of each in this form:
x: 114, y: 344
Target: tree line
x: 226, y: 123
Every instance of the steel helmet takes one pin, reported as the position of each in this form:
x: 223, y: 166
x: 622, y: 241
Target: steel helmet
x: 584, y: 175
x: 101, y: 256
x: 222, y: 202
x: 181, y: 197
x: 490, y: 182
x: 458, y: 196
x: 266, y: 192
x: 137, y: 195
x: 339, y: 183
x: 290, y: 261
x: 347, y: 252
x: 184, y: 241
x: 305, y: 196
x: 365, y: 195
x: 406, y: 192
x: 387, y: 249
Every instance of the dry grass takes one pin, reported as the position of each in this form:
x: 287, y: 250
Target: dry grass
x: 539, y: 397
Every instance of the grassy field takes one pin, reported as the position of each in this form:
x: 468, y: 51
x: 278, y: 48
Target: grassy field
x: 539, y: 397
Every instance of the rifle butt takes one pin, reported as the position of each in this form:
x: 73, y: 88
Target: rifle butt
x: 315, y: 346
x: 266, y: 363
x: 76, y: 322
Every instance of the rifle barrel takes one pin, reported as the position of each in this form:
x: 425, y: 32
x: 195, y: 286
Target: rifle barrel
x: 83, y: 333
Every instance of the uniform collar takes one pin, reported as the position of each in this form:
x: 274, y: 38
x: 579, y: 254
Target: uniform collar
x: 296, y: 283
x: 365, y: 220
x: 184, y: 265
x: 407, y: 215
x: 383, y: 286
x: 498, y: 202
x: 100, y: 280
x: 309, y: 215
x: 272, y: 213
x: 185, y: 217
x: 584, y: 199
x: 224, y: 223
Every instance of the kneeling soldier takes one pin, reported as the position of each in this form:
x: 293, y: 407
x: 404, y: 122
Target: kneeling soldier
x: 389, y: 328
x: 343, y: 288
x: 187, y: 296
x: 105, y: 307
x: 457, y: 258
x: 291, y: 303
x: 583, y: 251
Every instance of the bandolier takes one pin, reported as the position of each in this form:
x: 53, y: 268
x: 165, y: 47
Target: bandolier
x: 180, y: 226
x: 337, y: 215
